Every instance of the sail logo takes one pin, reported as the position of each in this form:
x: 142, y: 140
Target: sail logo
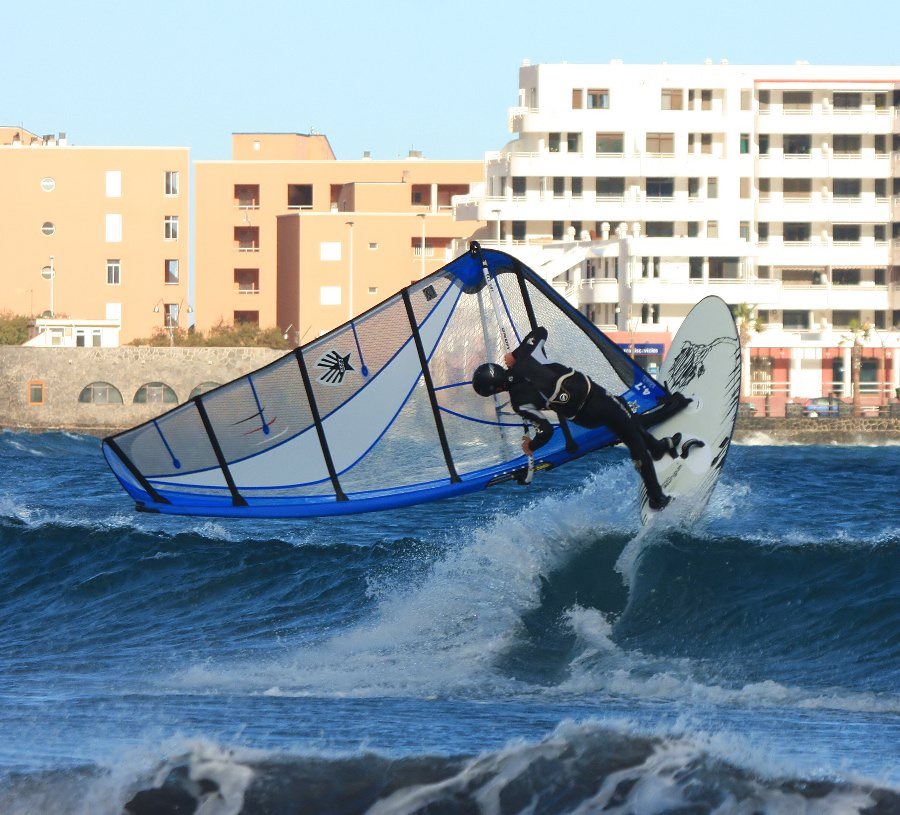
x: 336, y: 367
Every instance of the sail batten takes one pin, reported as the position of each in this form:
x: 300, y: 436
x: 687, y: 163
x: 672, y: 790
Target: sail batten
x: 377, y: 413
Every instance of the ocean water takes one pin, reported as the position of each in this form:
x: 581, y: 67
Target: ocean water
x: 523, y: 650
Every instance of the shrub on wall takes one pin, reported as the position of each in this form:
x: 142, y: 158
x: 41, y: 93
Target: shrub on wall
x: 13, y: 328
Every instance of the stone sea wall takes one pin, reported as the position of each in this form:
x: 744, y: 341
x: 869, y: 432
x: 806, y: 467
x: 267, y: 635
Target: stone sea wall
x: 65, y: 372
x: 802, y: 430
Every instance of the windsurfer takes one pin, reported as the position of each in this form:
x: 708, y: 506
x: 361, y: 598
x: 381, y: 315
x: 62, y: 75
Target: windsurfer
x: 534, y: 386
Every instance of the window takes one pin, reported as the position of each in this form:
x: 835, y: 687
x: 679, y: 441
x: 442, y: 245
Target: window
x: 693, y: 187
x: 155, y: 393
x: 797, y: 100
x: 712, y: 187
x: 879, y: 142
x: 745, y: 143
x: 100, y: 393
x: 573, y: 142
x: 661, y: 143
x: 113, y: 272
x: 746, y: 99
x: 299, y: 196
x: 558, y: 230
x: 693, y: 229
x: 170, y: 315
x: 246, y: 239
x: 841, y: 318
x: 745, y: 230
x: 762, y: 231
x: 519, y: 230
x: 170, y: 228
x: 712, y: 229
x: 847, y: 101
x: 171, y: 270
x: 577, y: 98
x: 706, y: 100
x: 845, y: 277
x: 660, y: 187
x: 745, y: 187
x: 796, y: 232
x: 610, y: 143
x: 660, y: 229
x: 610, y: 187
x: 81, y: 338
x: 672, y: 99
x: 246, y: 281
x: 797, y: 144
x: 329, y: 295
x: 559, y: 187
x: 879, y: 233
x: 797, y: 189
x: 846, y: 233
x: 113, y: 183
x: 35, y: 392
x: 172, y: 182
x: 203, y: 387
x: 246, y: 318
x: 598, y: 99
x: 246, y: 196
x: 848, y: 187
x: 847, y: 145
x: 795, y: 320
x: 519, y: 184
x: 765, y: 99
x: 553, y: 142
x: 705, y: 141
x: 763, y: 144
x: 577, y: 186
x: 113, y: 228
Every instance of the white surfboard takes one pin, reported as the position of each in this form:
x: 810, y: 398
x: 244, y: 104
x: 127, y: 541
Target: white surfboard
x: 704, y: 363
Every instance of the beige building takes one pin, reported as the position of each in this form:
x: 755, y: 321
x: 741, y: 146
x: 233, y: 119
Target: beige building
x: 94, y: 236
x: 288, y: 236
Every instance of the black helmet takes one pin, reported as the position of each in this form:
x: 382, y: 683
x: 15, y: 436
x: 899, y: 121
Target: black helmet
x: 489, y: 379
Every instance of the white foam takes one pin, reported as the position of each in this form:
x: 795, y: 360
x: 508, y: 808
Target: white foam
x: 442, y: 631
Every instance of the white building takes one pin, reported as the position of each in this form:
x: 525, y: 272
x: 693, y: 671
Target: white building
x: 640, y: 189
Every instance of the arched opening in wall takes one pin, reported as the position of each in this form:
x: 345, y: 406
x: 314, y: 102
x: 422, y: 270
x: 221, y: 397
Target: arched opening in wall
x: 155, y: 393
x: 100, y: 393
x: 203, y: 387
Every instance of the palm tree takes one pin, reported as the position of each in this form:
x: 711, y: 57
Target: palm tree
x: 747, y: 320
x: 858, y: 332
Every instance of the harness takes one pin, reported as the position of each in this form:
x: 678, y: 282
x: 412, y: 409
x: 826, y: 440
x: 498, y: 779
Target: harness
x: 562, y: 395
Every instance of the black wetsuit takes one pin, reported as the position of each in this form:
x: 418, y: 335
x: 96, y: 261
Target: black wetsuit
x: 534, y: 386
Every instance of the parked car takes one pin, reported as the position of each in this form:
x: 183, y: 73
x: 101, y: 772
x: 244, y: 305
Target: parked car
x: 822, y: 407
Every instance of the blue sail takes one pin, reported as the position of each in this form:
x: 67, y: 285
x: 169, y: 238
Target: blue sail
x: 378, y: 413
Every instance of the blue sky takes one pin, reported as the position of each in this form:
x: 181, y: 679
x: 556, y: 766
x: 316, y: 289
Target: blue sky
x: 385, y: 76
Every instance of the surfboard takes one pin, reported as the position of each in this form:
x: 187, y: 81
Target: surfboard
x: 704, y: 364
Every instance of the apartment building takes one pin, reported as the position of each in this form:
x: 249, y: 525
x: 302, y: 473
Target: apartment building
x: 94, y: 238
x: 639, y: 189
x: 289, y: 236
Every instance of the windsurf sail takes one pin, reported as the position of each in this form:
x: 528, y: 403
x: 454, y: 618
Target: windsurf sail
x: 378, y: 413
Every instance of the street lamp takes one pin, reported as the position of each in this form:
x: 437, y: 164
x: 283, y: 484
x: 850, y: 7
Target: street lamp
x: 350, y: 286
